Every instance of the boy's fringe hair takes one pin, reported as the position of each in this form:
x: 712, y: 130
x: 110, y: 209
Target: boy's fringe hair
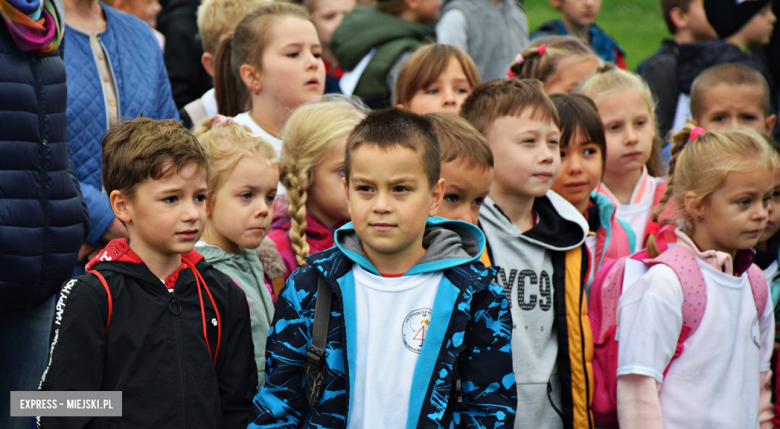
x: 497, y: 98
x: 246, y: 46
x: 426, y: 65
x: 702, y: 165
x: 226, y: 146
x: 609, y: 80
x: 306, y: 137
x: 218, y: 18
x: 579, y: 115
x: 557, y: 49
x: 144, y: 148
x: 731, y: 74
x: 459, y: 140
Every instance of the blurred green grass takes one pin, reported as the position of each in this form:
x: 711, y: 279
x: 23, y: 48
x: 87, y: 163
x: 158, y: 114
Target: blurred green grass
x: 637, y: 25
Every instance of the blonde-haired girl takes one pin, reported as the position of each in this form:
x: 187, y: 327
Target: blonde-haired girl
x: 239, y: 208
x: 560, y: 62
x: 270, y: 65
x: 720, y: 185
x: 633, y: 170
x: 315, y: 139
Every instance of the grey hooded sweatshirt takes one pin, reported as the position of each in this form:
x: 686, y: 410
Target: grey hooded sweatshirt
x: 526, y: 271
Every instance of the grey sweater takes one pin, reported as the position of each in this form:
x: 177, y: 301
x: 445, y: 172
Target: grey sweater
x: 494, y: 33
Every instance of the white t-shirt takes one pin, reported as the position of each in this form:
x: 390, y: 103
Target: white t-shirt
x: 247, y: 121
x: 209, y: 102
x: 637, y: 215
x: 393, y: 315
x: 715, y: 381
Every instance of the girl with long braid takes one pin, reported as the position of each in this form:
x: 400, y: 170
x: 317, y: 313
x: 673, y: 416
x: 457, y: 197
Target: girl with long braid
x: 314, y: 141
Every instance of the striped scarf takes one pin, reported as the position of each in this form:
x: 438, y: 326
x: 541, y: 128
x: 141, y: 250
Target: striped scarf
x: 33, y: 24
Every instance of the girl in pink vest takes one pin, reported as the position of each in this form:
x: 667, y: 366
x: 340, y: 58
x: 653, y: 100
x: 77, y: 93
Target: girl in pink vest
x: 720, y: 186
x: 583, y: 154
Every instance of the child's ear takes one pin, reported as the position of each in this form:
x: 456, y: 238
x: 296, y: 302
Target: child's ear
x: 119, y: 4
x: 121, y: 205
x: 437, y: 195
x: 769, y: 124
x: 346, y: 191
x: 251, y: 77
x: 556, y: 4
x: 207, y: 60
x: 679, y: 17
x: 693, y: 205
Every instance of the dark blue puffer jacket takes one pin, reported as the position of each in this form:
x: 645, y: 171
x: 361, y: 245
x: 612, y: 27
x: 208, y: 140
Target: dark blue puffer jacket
x: 43, y: 218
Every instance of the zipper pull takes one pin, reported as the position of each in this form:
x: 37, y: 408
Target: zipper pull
x: 174, y: 306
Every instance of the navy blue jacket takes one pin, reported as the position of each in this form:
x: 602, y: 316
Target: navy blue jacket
x: 142, y: 90
x: 43, y: 219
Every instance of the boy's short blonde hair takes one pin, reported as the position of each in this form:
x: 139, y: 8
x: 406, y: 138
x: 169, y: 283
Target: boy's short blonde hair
x: 218, y: 18
x: 143, y: 148
x: 731, y: 74
x: 459, y: 140
x: 507, y: 97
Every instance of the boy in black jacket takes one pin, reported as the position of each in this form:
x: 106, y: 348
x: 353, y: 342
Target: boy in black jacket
x: 151, y: 317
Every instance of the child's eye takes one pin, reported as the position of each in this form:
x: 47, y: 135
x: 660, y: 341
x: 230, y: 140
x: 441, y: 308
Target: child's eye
x: 270, y: 198
x: 463, y: 90
x: 749, y: 118
x: 432, y: 91
x: 765, y: 201
x: 293, y: 54
x: 613, y: 127
x: 200, y: 198
x: 401, y: 189
x: 719, y: 118
x: 341, y: 172
x: 329, y: 16
x: 529, y: 141
x: 552, y: 142
x: 479, y: 201
x: 589, y: 152
x: 776, y: 194
x: 563, y: 154
x: 317, y: 55
x: 170, y: 199
x: 451, y: 198
x: 246, y: 196
x: 743, y: 202
x: 364, y: 188
x: 640, y: 122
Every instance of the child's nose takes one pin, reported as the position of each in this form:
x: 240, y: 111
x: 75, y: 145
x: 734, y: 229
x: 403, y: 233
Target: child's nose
x: 448, y: 98
x: 574, y: 164
x: 631, y: 136
x: 381, y: 204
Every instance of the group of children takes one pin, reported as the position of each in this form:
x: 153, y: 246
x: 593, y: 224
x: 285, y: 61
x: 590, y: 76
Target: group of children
x: 300, y: 260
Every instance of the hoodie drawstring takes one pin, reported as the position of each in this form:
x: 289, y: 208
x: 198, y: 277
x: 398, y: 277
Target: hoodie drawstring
x: 198, y: 281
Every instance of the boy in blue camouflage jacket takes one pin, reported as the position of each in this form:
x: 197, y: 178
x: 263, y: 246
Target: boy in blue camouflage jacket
x: 412, y: 310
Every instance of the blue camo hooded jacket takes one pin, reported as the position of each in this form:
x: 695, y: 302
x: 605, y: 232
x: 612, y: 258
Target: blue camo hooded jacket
x: 470, y: 322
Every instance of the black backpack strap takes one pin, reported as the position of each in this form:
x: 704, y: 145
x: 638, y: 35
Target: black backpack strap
x: 315, y: 353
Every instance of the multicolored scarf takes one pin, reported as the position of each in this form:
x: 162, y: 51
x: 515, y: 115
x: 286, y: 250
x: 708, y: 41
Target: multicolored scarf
x: 33, y: 25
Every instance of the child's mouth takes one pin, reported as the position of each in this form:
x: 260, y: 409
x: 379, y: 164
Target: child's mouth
x: 189, y: 234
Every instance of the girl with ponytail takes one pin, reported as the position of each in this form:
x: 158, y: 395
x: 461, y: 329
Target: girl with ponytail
x: 718, y: 193
x: 315, y: 139
x: 269, y: 66
x: 560, y: 62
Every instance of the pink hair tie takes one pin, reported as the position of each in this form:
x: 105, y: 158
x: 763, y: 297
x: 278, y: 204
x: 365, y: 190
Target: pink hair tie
x: 518, y: 60
x: 541, y: 49
x: 220, y: 121
x: 696, y: 132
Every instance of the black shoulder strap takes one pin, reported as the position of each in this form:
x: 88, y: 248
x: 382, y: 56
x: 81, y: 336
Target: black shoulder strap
x: 315, y: 353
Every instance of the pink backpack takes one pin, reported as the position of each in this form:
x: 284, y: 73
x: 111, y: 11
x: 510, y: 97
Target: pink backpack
x: 602, y: 309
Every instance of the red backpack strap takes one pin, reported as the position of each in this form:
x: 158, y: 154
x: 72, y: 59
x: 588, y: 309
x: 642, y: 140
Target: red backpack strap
x: 108, y: 291
x: 760, y: 288
x: 684, y: 264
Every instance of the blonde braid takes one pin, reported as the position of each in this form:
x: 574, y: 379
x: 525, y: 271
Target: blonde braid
x: 296, y: 195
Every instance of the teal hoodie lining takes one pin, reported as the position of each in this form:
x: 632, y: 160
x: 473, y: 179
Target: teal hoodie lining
x: 449, y: 243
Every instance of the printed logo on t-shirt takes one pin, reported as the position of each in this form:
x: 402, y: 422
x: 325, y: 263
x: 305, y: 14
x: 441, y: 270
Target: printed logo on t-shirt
x: 755, y: 332
x: 415, y: 329
x: 527, y: 302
